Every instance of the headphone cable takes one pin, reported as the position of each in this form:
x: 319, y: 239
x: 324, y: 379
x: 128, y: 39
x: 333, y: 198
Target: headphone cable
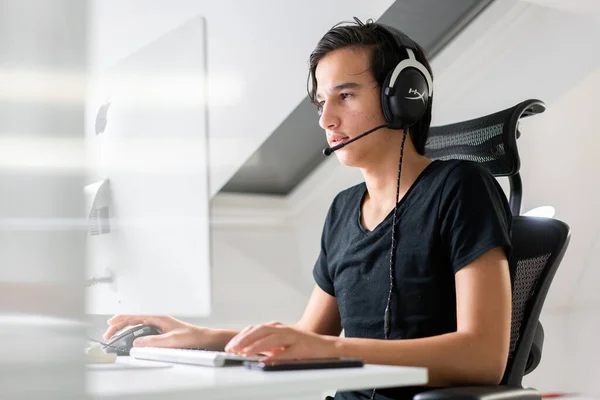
x: 387, y: 319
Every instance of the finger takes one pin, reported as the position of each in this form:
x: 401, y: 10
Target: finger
x: 116, y: 319
x: 164, y: 340
x: 236, y: 338
x: 290, y: 353
x: 252, y: 336
x: 273, y: 343
x: 113, y: 329
x: 122, y: 323
x: 244, y: 331
x: 246, y: 337
x: 270, y: 353
x: 162, y: 323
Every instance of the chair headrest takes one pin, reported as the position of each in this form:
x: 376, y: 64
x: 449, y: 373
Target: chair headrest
x: 490, y: 140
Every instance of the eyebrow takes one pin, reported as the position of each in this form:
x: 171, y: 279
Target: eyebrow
x: 342, y: 86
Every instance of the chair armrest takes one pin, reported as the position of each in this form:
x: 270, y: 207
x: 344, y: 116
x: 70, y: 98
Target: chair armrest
x: 480, y: 393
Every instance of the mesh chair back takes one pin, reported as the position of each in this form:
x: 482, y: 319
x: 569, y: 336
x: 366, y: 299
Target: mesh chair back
x: 490, y: 140
x: 538, y: 247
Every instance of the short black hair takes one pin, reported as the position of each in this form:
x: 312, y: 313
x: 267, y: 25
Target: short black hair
x: 384, y: 57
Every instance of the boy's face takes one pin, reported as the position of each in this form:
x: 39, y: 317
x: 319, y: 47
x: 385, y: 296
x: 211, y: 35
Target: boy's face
x: 350, y: 104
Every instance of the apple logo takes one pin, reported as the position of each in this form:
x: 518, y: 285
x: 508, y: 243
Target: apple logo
x: 101, y: 118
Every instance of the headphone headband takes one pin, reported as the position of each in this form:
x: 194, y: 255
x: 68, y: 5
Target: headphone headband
x: 403, y: 42
x: 401, y: 39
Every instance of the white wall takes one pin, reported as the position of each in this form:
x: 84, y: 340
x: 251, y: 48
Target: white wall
x: 571, y: 350
x: 572, y: 317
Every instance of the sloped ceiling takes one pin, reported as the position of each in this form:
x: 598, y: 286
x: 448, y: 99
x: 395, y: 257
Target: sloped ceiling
x: 293, y: 150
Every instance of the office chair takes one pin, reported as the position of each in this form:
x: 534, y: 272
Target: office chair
x: 538, y: 243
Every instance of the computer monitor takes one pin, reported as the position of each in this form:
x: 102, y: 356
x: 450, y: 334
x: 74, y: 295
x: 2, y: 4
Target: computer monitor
x: 148, y: 247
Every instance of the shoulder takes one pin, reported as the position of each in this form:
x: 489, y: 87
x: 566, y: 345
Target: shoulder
x: 463, y: 169
x: 465, y: 174
x: 471, y: 186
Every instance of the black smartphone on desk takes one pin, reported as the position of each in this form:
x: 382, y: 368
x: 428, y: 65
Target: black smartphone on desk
x: 307, y: 363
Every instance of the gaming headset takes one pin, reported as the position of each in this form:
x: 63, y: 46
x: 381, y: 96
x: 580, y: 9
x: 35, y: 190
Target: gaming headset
x: 407, y: 88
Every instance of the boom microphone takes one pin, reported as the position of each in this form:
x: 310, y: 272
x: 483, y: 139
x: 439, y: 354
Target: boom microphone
x: 328, y: 150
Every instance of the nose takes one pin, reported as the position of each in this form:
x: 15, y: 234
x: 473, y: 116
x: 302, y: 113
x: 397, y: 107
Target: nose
x: 329, y: 119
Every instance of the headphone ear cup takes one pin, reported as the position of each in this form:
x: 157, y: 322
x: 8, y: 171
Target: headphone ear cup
x: 411, y: 96
x: 385, y: 101
x: 408, y: 100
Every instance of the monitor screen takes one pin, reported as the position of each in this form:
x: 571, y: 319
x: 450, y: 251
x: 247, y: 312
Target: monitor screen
x: 147, y: 198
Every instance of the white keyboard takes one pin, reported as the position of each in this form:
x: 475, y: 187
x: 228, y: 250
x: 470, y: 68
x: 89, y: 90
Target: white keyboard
x: 189, y: 356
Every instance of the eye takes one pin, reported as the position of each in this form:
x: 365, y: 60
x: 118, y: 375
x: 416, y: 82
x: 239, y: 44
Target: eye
x: 345, y: 95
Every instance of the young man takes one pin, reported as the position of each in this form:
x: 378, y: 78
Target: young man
x: 450, y: 305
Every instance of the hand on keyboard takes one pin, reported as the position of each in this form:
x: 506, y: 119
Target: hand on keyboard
x: 281, y: 341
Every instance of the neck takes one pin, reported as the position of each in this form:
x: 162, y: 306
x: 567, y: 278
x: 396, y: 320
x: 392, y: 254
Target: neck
x: 381, y: 175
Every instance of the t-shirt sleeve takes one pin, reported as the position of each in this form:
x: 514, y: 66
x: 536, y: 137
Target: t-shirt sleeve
x: 321, y: 272
x: 474, y: 213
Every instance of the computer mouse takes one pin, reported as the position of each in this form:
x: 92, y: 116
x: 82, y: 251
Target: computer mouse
x: 122, y: 341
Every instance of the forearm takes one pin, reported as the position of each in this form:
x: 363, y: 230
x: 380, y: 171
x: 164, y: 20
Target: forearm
x: 452, y: 359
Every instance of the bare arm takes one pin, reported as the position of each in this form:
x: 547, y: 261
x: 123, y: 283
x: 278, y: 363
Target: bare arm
x: 477, y: 352
x: 321, y: 315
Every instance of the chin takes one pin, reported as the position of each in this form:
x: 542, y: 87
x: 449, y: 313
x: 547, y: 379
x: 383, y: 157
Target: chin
x: 347, y: 158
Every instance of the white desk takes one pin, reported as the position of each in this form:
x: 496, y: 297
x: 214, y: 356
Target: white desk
x: 194, y: 382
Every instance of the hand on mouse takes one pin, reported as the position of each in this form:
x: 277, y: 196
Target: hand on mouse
x: 176, y: 333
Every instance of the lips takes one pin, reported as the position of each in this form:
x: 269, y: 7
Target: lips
x: 337, y: 139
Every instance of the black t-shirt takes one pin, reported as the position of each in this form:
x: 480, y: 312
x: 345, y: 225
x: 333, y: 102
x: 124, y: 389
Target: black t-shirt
x: 453, y: 213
